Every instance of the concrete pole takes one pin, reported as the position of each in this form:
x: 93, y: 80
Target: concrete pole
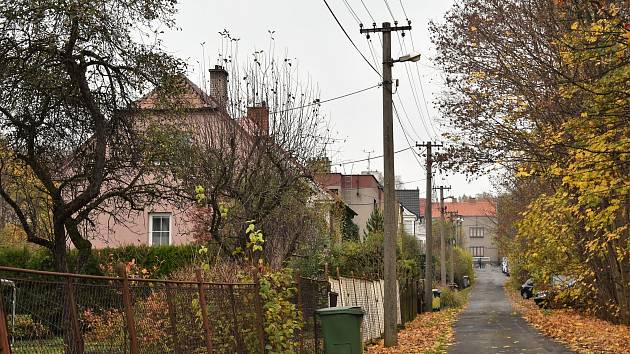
x: 428, y: 275
x: 390, y: 330
x: 442, y: 239
x: 451, y: 278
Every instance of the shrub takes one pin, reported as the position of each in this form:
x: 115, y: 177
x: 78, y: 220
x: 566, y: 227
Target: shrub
x: 463, y: 266
x: 26, y: 327
x: 163, y: 259
x: 26, y: 257
x: 282, y: 318
x: 103, y: 327
x: 450, y: 298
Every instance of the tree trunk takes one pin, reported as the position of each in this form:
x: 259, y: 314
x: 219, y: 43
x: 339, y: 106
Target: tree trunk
x: 72, y: 338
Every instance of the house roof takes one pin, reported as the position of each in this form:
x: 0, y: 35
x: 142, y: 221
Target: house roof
x: 198, y: 98
x: 468, y: 207
x: 348, y: 181
x: 193, y: 96
x: 410, y: 199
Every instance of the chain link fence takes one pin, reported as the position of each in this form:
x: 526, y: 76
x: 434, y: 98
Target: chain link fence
x: 46, y: 312
x: 65, y: 313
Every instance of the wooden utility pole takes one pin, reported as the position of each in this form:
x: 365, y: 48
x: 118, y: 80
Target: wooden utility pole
x: 442, y: 235
x: 454, y: 216
x: 428, y: 214
x: 390, y: 309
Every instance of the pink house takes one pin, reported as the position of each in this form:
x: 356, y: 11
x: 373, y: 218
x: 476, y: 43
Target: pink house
x: 165, y: 223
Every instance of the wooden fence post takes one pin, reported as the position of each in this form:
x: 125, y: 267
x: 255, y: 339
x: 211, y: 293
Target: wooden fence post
x: 368, y: 312
x: 354, y: 289
x: 340, y: 287
x: 5, y: 347
x: 73, y: 318
x: 130, y: 321
x: 260, y: 328
x: 172, y: 314
x: 204, y: 311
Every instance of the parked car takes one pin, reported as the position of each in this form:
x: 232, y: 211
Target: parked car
x: 547, y: 294
x: 504, y: 266
x: 527, y: 289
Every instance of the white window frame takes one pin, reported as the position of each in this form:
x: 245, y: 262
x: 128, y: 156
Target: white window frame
x: 474, y: 251
x: 170, y: 227
x: 482, y: 234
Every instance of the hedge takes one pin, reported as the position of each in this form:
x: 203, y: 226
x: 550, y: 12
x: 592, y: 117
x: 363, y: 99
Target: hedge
x: 169, y: 258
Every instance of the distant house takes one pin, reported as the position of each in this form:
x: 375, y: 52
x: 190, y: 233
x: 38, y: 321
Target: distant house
x: 477, y: 232
x: 410, y: 216
x: 363, y: 193
x: 165, y: 223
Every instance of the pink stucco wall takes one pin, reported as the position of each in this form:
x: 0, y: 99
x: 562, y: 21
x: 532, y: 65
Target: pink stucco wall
x: 133, y: 228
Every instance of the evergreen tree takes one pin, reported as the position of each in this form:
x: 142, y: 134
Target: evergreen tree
x: 375, y: 223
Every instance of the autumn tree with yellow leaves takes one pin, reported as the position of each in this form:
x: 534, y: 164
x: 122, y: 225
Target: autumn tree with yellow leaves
x: 541, y: 89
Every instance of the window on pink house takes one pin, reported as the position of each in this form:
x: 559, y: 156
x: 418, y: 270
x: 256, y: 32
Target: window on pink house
x: 160, y: 229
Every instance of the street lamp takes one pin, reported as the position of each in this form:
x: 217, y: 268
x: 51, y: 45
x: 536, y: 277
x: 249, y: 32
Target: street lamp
x: 412, y: 57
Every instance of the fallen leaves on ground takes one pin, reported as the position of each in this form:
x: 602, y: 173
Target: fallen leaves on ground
x: 430, y: 332
x: 582, y: 333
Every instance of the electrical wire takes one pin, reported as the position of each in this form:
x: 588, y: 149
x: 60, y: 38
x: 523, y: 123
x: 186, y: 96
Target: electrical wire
x: 352, y: 12
x: 428, y: 116
x: 414, y: 92
x: 373, y: 21
x: 350, y: 39
x: 366, y: 159
x: 405, y: 134
x: 318, y: 102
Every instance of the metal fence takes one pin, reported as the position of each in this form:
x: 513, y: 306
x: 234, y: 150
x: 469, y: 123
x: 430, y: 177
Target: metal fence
x: 46, y: 312
x: 312, y: 294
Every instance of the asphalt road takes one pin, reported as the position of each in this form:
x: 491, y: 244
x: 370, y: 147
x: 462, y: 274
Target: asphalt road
x: 489, y: 324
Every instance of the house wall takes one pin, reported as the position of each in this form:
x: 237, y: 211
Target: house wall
x: 488, y: 223
x: 360, y: 192
x: 362, y: 201
x: 133, y: 228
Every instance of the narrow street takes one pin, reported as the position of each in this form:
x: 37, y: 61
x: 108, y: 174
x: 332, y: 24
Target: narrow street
x: 489, y: 325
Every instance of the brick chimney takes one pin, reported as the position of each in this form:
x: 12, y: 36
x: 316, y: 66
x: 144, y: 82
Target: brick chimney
x: 260, y: 116
x: 218, y: 85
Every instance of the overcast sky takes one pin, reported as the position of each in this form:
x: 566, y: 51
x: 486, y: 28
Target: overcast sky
x: 308, y: 32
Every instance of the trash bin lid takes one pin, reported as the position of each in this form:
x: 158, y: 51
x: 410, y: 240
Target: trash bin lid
x: 350, y: 310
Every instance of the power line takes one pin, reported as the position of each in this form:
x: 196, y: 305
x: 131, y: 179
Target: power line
x: 366, y: 159
x: 350, y: 39
x: 403, y: 9
x: 352, y: 12
x: 390, y: 11
x: 369, y: 14
x: 426, y: 107
x: 403, y: 48
x: 318, y: 102
x: 373, y: 20
x: 428, y: 116
x: 405, y: 133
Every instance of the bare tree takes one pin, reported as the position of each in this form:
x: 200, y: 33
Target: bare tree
x: 252, y: 159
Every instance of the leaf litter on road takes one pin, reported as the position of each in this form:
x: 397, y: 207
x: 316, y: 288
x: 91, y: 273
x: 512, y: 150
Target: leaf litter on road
x: 584, y: 334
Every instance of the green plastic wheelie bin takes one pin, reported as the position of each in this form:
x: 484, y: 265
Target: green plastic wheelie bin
x: 341, y: 328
